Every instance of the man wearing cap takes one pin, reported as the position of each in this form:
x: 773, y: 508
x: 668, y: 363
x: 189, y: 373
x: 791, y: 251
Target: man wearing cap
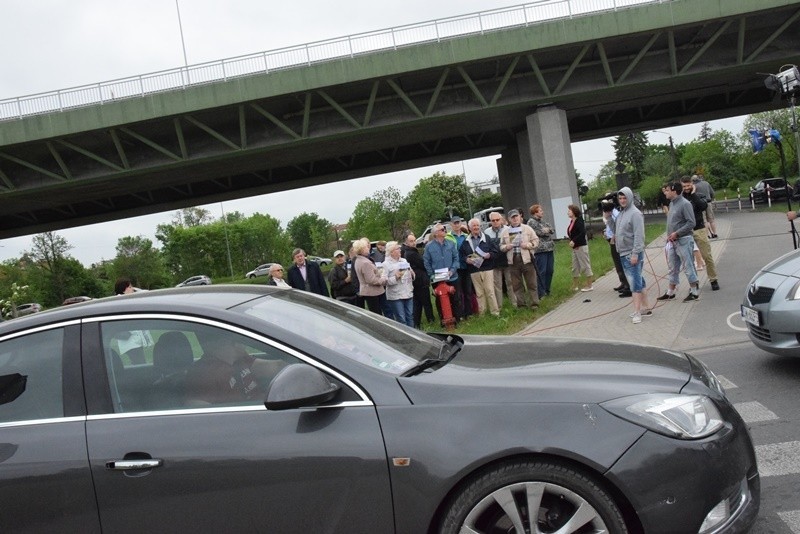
x: 518, y: 242
x: 441, y: 256
x: 458, y: 235
x: 341, y: 280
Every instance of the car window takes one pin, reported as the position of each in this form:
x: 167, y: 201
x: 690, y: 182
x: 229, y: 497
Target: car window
x: 30, y: 377
x: 183, y: 365
x: 352, y: 332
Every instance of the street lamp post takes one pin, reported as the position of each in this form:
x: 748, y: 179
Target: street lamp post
x: 183, y: 43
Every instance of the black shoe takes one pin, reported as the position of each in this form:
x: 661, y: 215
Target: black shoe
x: 619, y: 287
x: 691, y: 297
x: 624, y: 294
x: 714, y: 285
x: 665, y: 296
x: 713, y: 236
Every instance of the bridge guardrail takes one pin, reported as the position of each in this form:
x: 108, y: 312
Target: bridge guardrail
x: 307, y: 54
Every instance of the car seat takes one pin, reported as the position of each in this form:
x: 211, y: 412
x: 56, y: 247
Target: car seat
x: 172, y: 357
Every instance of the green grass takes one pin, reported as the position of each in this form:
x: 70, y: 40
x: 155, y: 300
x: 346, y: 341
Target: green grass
x: 513, y: 320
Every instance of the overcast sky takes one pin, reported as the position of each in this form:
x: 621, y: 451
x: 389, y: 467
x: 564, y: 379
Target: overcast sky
x: 55, y: 44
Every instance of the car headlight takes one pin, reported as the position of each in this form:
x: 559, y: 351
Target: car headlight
x: 794, y: 293
x: 678, y: 416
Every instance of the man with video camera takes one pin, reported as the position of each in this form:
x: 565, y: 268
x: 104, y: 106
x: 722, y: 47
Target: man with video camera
x: 609, y: 205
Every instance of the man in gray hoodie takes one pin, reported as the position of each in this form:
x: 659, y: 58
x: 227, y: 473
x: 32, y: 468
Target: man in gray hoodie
x: 680, y: 246
x: 628, y: 229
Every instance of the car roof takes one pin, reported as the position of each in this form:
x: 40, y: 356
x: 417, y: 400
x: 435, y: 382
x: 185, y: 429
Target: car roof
x: 205, y: 299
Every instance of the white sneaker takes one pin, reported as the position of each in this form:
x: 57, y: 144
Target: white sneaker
x: 637, y: 318
x: 587, y: 289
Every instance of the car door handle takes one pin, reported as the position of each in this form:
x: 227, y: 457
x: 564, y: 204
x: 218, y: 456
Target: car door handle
x: 128, y: 465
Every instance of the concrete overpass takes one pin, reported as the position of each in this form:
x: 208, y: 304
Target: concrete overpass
x: 522, y: 91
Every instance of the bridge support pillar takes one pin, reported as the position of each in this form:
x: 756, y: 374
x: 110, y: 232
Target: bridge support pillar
x: 540, y: 168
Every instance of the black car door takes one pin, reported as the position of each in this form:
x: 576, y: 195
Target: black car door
x: 45, y: 483
x: 167, y: 454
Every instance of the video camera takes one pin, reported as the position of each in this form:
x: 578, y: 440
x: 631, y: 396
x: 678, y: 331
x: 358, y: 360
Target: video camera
x: 608, y: 202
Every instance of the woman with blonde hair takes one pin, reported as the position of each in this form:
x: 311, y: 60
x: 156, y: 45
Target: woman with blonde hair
x: 371, y: 283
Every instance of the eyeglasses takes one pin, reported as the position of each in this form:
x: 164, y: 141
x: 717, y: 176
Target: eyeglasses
x: 494, y: 220
x: 281, y: 270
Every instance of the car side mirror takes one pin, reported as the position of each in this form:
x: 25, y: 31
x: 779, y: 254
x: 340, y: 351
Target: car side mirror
x: 299, y: 385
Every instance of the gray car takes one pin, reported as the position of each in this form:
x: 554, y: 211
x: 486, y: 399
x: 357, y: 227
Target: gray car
x: 241, y: 408
x: 771, y: 306
x: 199, y: 280
x: 261, y: 270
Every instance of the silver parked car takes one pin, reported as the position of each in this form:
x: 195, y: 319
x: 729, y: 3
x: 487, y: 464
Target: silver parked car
x: 29, y: 308
x: 261, y: 270
x: 199, y: 280
x: 322, y: 262
x: 771, y: 306
x: 235, y: 408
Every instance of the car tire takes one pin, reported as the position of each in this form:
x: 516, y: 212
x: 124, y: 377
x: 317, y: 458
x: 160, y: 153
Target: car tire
x: 496, y: 501
x: 251, y: 276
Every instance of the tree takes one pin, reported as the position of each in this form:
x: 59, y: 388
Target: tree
x: 381, y: 216
x: 139, y: 261
x: 715, y: 159
x: 191, y: 217
x: 631, y: 150
x: 302, y: 231
x: 705, y: 132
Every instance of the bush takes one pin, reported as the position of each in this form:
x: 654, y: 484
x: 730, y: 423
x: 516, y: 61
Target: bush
x: 650, y: 189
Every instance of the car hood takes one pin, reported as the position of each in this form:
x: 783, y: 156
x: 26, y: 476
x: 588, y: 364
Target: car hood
x: 786, y: 265
x: 494, y: 369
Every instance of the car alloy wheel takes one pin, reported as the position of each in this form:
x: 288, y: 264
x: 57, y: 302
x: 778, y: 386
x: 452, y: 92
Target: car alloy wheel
x: 533, y: 497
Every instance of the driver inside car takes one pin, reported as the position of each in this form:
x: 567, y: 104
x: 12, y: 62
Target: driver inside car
x: 228, y: 374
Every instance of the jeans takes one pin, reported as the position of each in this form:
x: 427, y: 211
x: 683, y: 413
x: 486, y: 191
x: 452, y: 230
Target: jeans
x: 403, y: 310
x: 634, y: 272
x: 681, y: 251
x: 545, y: 262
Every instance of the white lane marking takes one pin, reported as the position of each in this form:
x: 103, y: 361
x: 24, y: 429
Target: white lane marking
x: 753, y: 412
x: 778, y: 458
x: 738, y: 315
x: 727, y: 384
x: 792, y: 519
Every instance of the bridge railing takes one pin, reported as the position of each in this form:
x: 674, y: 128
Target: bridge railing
x: 307, y: 54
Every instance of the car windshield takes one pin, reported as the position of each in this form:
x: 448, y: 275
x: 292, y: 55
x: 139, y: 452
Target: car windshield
x: 352, y: 332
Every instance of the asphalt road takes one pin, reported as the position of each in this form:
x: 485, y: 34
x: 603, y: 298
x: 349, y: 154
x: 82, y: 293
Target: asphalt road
x: 765, y: 388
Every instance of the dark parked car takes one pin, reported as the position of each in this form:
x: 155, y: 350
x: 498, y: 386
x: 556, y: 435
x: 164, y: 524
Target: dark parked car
x: 775, y: 186
x: 256, y: 408
x: 771, y: 306
x: 199, y: 280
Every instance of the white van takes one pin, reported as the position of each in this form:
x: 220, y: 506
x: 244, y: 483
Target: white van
x: 483, y: 216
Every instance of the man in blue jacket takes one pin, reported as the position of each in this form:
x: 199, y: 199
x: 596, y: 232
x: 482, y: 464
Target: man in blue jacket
x: 441, y: 253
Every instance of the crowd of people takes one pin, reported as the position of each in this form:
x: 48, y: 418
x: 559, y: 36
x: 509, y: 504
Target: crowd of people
x: 395, y: 279
x: 474, y: 265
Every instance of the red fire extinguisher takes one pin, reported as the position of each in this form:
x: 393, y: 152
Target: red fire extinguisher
x: 443, y: 291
